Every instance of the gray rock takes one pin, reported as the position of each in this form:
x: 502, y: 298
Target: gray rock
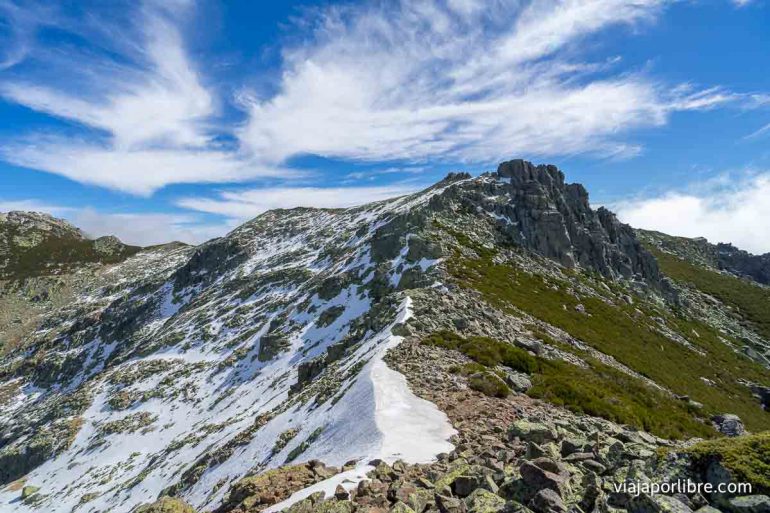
x: 547, y: 501
x: 594, y: 466
x: 554, y: 219
x: 518, y: 381
x: 749, y: 504
x: 463, y: 486
x: 531, y: 432
x: 449, y: 504
x: 340, y: 493
x: 707, y: 509
x: 643, y: 503
x: 484, y: 501
x: 545, y: 473
x: 728, y: 424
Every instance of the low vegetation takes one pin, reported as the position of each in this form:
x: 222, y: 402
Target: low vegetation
x: 489, y: 383
x: 632, y: 334
x: 752, y: 300
x: 486, y: 351
x: 747, y: 457
x: 598, y: 390
x: 57, y: 255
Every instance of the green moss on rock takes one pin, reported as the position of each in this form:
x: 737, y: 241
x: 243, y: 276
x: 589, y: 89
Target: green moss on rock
x: 747, y: 457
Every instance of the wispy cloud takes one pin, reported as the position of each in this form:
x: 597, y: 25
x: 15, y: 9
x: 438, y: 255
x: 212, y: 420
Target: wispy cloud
x: 151, y: 111
x: 32, y: 205
x: 138, y: 171
x: 732, y: 208
x: 245, y: 204
x: 457, y: 81
x: 463, y: 81
x: 20, y: 25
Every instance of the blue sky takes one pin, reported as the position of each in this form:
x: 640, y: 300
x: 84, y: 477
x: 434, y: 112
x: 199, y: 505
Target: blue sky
x: 178, y: 119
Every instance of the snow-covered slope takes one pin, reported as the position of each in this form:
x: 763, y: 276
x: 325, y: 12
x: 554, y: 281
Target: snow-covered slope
x: 187, y: 378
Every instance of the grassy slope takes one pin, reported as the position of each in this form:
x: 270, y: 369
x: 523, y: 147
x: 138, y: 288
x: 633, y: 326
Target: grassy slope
x: 599, y: 390
x: 752, y: 300
x: 618, y: 330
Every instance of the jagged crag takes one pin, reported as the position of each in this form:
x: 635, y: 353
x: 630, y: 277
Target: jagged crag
x: 488, y: 344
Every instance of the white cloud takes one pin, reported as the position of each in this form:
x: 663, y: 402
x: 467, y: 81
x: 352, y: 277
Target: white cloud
x: 141, y: 229
x: 148, y: 229
x: 730, y: 209
x: 454, y: 80
x: 422, y: 80
x: 165, y: 104
x: 245, y: 204
x: 140, y: 171
x: 31, y: 205
x: 153, y: 110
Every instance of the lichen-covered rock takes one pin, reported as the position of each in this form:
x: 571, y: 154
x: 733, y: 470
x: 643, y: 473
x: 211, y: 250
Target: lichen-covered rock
x: 166, y: 505
x: 532, y: 431
x: 749, y: 504
x: 28, y: 491
x: 484, y: 501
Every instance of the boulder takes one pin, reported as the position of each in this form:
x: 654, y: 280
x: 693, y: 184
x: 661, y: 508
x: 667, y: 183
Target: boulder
x: 749, y: 504
x: 400, y: 507
x: 728, y: 424
x: 518, y: 381
x: 484, y: 501
x: 449, y: 504
x: 29, y: 491
x: 545, y: 473
x: 340, y: 493
x: 166, y: 505
x: 643, y: 503
x: 531, y: 432
x: 463, y: 486
x: 547, y: 501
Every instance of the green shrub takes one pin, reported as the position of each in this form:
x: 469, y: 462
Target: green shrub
x: 747, y: 457
x: 485, y: 351
x: 603, y: 391
x: 489, y: 384
x: 598, y: 390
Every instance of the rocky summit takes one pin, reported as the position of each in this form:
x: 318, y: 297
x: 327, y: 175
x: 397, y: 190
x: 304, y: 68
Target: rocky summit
x: 490, y: 343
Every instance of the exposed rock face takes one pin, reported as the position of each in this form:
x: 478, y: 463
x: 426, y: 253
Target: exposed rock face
x: 554, y: 218
x: 744, y: 263
x: 720, y: 256
x: 729, y: 424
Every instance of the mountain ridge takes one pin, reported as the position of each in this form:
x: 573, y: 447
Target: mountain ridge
x: 283, y: 343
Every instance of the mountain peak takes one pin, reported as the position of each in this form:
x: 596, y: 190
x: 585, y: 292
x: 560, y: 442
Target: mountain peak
x: 38, y: 244
x: 26, y: 222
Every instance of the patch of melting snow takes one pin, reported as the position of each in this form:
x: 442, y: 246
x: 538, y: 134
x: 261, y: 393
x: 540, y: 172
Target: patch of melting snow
x: 406, y: 427
x: 378, y: 417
